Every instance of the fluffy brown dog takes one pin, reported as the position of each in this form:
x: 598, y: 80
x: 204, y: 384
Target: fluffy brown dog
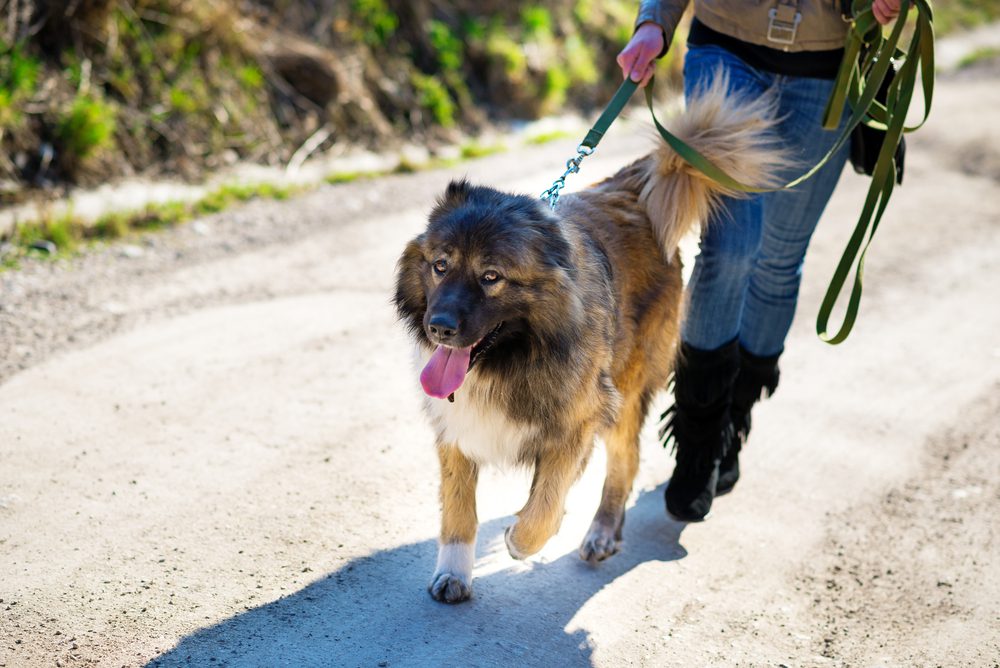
x: 537, y: 330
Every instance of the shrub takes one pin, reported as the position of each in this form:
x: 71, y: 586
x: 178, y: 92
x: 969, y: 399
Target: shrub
x: 18, y: 76
x: 447, y: 46
x: 537, y: 22
x: 86, y: 126
x: 434, y: 97
x: 378, y: 21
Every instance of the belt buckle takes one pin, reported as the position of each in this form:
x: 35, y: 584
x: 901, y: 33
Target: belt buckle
x: 782, y: 31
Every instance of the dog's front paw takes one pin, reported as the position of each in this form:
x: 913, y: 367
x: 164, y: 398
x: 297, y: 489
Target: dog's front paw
x: 599, y: 543
x: 520, y: 543
x: 449, y: 588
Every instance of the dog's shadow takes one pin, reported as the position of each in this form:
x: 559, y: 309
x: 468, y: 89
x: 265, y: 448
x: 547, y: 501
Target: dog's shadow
x: 376, y: 611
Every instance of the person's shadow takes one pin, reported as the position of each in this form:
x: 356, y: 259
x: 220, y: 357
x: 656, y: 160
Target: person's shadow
x: 375, y: 611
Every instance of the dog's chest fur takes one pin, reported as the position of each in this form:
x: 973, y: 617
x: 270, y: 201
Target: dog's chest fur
x: 477, y: 426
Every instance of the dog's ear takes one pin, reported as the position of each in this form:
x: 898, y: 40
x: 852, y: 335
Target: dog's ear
x: 456, y: 194
x: 411, y: 297
x: 457, y: 191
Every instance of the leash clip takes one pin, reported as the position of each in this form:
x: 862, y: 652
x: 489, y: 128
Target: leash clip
x: 572, y: 167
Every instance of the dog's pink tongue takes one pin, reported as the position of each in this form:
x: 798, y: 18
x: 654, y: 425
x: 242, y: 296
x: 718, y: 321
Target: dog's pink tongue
x: 445, y: 371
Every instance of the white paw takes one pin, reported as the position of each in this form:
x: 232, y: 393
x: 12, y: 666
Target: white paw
x: 452, y: 580
x: 599, y: 543
x: 449, y: 588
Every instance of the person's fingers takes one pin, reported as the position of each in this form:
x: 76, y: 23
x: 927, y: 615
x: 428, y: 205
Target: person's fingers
x: 642, y: 62
x: 650, y: 69
x: 877, y: 12
x: 626, y: 59
x: 885, y: 10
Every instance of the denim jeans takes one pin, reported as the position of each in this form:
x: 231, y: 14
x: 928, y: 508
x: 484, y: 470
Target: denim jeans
x: 746, y: 276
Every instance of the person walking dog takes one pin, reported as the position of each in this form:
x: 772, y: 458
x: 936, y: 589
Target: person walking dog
x: 745, y: 283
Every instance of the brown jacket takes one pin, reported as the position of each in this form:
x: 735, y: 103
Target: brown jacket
x: 771, y: 23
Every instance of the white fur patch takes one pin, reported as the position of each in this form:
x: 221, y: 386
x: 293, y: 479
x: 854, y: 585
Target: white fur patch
x: 482, y: 432
x: 456, y: 559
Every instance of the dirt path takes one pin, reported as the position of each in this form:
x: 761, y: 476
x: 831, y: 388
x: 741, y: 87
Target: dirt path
x: 211, y: 453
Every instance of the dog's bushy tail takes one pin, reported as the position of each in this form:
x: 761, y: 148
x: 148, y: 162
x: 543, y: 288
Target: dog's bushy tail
x: 734, y: 132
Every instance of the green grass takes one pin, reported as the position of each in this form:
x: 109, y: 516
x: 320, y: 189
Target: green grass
x: 433, y: 96
x: 349, y: 176
x: 166, y: 214
x: 407, y: 166
x: 67, y: 231
x: 346, y: 177
x: 979, y: 55
x: 250, y: 76
x: 579, y: 61
x: 546, y: 137
x: 225, y: 196
x: 377, y: 22
x: 554, y: 89
x: 448, y: 47
x: 18, y: 78
x: 501, y: 46
x: 954, y: 15
x: 87, y: 126
x: 536, y: 22
x: 112, y: 226
x: 473, y: 150
x: 468, y: 151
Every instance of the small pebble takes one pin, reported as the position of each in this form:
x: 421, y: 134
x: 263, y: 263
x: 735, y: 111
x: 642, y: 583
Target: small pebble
x: 131, y: 251
x: 45, y: 246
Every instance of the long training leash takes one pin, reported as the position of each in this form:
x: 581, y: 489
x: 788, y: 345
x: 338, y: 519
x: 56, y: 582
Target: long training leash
x: 868, y: 56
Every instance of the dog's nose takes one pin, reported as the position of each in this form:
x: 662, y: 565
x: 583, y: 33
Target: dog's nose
x: 443, y: 326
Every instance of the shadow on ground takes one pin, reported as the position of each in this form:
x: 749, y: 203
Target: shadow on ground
x: 375, y: 610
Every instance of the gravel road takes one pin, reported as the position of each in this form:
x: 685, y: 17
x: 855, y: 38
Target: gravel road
x: 212, y: 453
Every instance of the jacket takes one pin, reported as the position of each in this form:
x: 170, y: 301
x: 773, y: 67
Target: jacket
x: 787, y: 25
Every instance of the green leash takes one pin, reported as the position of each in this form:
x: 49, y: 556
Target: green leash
x: 858, y: 80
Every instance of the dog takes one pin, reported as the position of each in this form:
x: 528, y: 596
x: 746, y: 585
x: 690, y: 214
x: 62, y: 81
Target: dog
x: 537, y: 330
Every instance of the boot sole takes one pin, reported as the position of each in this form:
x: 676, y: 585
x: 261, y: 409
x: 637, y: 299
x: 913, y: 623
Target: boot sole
x: 722, y: 491
x: 689, y: 520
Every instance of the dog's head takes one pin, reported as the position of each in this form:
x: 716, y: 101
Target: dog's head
x: 482, y: 277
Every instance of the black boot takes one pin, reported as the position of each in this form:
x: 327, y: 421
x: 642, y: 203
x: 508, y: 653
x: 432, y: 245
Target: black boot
x: 701, y: 427
x: 757, y: 378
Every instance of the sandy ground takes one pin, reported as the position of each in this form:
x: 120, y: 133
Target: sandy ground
x: 212, y: 453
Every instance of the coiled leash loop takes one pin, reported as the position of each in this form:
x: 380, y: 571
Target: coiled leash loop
x: 868, y: 57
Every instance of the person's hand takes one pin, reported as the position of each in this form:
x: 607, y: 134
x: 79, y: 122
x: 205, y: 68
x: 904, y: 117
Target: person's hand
x: 885, y: 10
x: 639, y: 55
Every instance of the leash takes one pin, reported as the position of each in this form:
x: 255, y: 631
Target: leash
x: 868, y: 56
x: 592, y: 139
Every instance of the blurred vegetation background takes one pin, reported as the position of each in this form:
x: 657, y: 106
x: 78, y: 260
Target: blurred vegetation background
x: 96, y: 89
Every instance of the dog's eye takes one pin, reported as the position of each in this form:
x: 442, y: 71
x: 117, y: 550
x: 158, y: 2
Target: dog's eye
x: 440, y: 267
x: 490, y: 277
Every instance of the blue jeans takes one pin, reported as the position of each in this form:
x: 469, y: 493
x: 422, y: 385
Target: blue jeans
x: 746, y: 277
